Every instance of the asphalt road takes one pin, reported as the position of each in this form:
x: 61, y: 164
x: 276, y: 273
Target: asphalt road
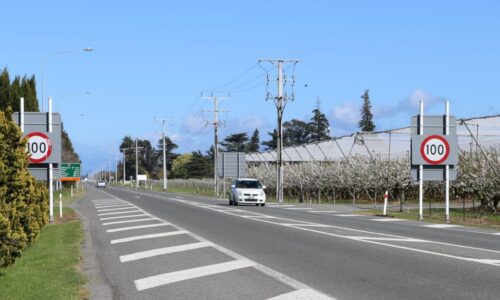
x: 168, y: 246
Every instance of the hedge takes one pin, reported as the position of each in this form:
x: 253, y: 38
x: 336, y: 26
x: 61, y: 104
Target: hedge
x: 23, y: 200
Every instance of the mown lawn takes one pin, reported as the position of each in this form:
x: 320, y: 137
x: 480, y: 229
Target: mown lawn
x: 49, y: 268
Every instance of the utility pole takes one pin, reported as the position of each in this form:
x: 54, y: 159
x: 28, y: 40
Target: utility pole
x: 216, y: 125
x: 136, y: 163
x: 124, y: 158
x: 280, y: 101
x: 165, y: 175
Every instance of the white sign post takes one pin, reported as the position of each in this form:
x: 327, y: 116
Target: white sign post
x: 421, y: 169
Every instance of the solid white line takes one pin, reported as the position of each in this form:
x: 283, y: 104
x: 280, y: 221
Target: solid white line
x: 119, y: 212
x: 301, y: 294
x: 148, y: 236
x: 158, y: 280
x: 279, y: 206
x: 123, y: 217
x: 128, y: 221
x: 347, y: 215
x: 163, y: 251
x: 299, y: 208
x: 496, y: 233
x: 322, y: 211
x: 387, y: 220
x: 386, y: 239
x: 441, y: 226
x: 137, y: 227
x: 112, y: 209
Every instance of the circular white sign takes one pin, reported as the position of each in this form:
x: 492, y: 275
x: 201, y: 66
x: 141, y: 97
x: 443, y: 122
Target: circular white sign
x: 435, y: 149
x: 39, y: 147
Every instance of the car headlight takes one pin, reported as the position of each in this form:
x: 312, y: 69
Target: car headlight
x: 262, y: 193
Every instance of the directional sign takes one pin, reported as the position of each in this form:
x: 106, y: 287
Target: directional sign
x: 39, y: 147
x: 435, y: 149
x: 70, y: 170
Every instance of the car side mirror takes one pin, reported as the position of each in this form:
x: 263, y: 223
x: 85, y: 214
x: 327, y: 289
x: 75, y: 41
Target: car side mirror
x: 264, y: 187
x: 233, y: 186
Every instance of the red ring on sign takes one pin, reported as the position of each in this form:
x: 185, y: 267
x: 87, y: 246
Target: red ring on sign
x: 446, y: 149
x: 49, y: 143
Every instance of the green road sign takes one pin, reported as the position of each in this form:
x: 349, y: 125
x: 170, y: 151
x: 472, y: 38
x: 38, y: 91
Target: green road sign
x: 70, y: 170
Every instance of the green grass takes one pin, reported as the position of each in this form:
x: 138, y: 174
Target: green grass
x: 457, y: 216
x: 48, y: 269
x: 66, y: 196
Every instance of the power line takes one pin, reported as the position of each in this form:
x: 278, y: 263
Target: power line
x: 234, y: 79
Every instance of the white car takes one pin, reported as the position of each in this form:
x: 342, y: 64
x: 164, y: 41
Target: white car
x: 101, y: 183
x: 247, y: 191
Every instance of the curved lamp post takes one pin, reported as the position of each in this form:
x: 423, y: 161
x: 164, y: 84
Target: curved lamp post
x: 88, y: 49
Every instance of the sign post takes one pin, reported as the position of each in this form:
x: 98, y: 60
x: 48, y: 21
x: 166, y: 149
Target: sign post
x: 434, y: 154
x: 43, y: 133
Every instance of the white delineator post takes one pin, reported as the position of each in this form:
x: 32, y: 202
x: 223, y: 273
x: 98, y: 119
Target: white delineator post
x: 386, y: 197
x: 447, y: 167
x: 60, y: 206
x: 421, y: 169
x: 71, y: 191
x: 51, y: 173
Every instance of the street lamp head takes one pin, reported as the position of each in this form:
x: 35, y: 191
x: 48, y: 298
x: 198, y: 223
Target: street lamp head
x: 88, y: 49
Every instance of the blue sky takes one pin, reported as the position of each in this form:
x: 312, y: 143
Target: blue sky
x: 152, y: 59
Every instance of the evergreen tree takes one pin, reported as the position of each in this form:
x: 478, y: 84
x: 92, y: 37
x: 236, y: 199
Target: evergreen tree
x: 68, y: 154
x: 4, y: 89
x: 295, y: 132
x: 170, y: 156
x: 235, y: 142
x: 254, y: 143
x: 318, y: 126
x: 271, y: 144
x: 199, y: 166
x: 366, y: 122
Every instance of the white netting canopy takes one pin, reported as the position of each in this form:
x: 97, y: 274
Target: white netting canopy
x: 389, y: 144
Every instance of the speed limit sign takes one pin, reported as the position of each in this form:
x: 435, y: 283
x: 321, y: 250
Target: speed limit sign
x: 435, y: 149
x: 39, y: 147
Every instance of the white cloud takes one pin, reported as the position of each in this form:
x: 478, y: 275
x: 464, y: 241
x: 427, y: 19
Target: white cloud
x: 346, y: 113
x: 408, y: 105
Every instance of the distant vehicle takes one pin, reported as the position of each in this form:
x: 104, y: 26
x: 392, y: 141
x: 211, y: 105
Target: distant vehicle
x: 247, y: 191
x: 101, y: 183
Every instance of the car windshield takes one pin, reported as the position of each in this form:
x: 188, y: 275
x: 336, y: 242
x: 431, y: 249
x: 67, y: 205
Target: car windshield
x: 248, y: 184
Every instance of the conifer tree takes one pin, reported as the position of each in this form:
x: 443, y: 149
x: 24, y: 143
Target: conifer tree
x: 254, y: 143
x: 366, y: 122
x: 318, y: 126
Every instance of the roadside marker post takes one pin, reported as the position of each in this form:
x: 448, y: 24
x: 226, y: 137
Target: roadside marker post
x: 60, y: 206
x: 386, y: 197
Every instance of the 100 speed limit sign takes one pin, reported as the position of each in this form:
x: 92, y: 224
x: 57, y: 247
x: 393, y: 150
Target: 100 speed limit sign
x: 435, y: 149
x: 39, y: 147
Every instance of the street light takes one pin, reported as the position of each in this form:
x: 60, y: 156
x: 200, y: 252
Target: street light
x: 88, y: 49
x: 70, y: 94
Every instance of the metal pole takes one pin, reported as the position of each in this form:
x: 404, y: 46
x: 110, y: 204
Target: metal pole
x: 447, y: 167
x: 164, y: 160
x: 279, y: 174
x: 124, y: 177
x: 136, y: 165
x: 421, y: 169
x: 216, y: 146
x: 116, y: 167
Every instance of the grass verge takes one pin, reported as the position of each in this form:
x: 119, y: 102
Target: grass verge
x: 49, y: 268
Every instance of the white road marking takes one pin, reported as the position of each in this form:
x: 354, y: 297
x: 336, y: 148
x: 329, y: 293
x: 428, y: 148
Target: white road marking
x: 307, y: 225
x: 347, y: 215
x: 166, y: 278
x: 496, y: 233
x: 123, y: 217
x: 137, y: 197
x: 280, y: 206
x: 441, y: 226
x: 323, y: 211
x: 163, y: 251
x: 148, y: 236
x: 120, y: 212
x: 387, y: 220
x: 491, y: 261
x: 113, y: 209
x: 129, y: 221
x: 137, y: 227
x: 386, y: 239
x: 298, y: 208
x: 305, y: 294
x: 110, y: 206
